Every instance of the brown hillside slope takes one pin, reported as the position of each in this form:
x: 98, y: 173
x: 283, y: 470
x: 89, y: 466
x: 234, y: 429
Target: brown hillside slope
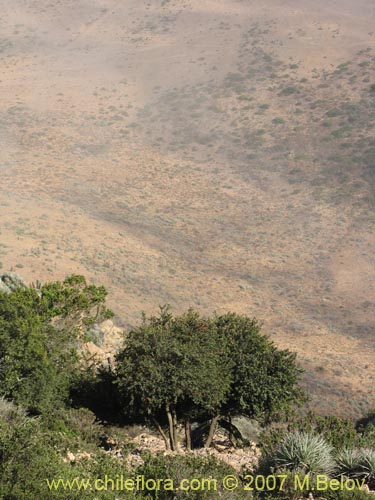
x: 216, y: 154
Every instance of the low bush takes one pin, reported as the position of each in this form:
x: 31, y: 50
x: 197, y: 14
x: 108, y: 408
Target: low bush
x: 195, y: 469
x: 340, y: 433
x: 347, y: 495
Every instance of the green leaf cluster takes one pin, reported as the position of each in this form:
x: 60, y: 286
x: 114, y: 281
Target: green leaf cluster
x: 188, y: 367
x: 39, y: 336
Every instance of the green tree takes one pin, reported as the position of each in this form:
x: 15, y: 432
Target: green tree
x: 39, y: 335
x: 189, y: 367
x: 264, y: 378
x: 173, y: 368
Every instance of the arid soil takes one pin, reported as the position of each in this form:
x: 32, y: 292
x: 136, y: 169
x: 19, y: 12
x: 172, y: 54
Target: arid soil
x: 215, y: 154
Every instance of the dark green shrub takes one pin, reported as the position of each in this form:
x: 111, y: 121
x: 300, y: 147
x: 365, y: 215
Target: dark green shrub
x: 288, y: 91
x: 31, y: 454
x: 339, y: 432
x: 40, y: 330
x: 73, y: 429
x: 190, y: 467
x: 347, y: 495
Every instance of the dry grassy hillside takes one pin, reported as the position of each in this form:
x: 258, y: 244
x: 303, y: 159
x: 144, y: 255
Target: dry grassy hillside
x: 218, y: 154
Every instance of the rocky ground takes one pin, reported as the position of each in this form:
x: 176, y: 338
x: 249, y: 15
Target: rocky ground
x: 239, y: 458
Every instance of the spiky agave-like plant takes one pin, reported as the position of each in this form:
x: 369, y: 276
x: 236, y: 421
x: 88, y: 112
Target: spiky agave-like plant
x: 348, y: 462
x: 357, y: 463
x: 367, y: 462
x: 305, y: 452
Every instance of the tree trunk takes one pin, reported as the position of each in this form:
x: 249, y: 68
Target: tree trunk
x: 212, y: 430
x: 175, y: 437
x: 171, y: 428
x: 188, y: 434
x: 163, y: 434
x: 231, y: 437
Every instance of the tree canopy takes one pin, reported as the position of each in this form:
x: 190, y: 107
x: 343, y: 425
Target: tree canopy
x: 190, y: 367
x: 39, y: 332
x: 173, y: 366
